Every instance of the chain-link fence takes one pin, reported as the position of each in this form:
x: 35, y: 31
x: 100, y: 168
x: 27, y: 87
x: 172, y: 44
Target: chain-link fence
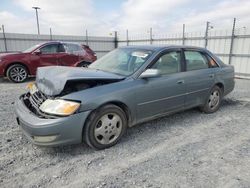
x: 12, y: 42
x: 232, y: 46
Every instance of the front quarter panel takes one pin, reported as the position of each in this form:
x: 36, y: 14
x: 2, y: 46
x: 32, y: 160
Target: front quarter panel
x: 93, y: 98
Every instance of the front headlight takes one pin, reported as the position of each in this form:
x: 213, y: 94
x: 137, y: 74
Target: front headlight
x: 59, y: 107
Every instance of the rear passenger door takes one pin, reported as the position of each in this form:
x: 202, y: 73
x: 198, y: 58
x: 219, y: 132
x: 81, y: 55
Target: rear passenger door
x: 200, y: 76
x: 70, y: 55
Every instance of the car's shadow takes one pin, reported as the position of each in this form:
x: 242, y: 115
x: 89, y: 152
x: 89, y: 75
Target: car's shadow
x: 149, y: 128
x: 5, y: 80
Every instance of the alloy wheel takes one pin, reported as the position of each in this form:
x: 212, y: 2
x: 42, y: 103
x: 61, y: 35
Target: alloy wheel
x: 18, y: 74
x: 108, y: 128
x: 214, y: 99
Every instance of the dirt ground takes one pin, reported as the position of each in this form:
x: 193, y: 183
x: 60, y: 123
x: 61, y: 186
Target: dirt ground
x: 187, y: 149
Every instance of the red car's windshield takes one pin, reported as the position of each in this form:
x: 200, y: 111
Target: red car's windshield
x: 31, y: 48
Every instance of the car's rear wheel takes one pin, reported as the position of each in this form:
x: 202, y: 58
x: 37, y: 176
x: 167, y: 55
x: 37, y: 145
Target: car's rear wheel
x: 17, y: 73
x: 214, y: 100
x: 84, y: 64
x: 105, y: 127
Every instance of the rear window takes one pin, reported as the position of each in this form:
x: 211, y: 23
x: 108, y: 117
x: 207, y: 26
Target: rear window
x: 195, y: 60
x: 72, y: 48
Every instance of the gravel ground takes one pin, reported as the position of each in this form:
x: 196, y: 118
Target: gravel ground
x: 187, y: 149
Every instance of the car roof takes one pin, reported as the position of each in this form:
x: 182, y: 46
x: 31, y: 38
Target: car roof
x: 58, y: 42
x: 162, y: 47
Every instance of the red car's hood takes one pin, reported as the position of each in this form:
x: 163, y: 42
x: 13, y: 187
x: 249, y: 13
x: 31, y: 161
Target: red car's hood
x: 11, y: 54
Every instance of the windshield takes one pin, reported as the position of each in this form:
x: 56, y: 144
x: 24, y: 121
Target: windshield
x: 122, y: 61
x: 31, y: 48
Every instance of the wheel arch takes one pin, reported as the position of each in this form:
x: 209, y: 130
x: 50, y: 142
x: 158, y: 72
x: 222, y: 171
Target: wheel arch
x: 82, y: 62
x: 220, y: 85
x: 121, y: 105
x: 15, y: 63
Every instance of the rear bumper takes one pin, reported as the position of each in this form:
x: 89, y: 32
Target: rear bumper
x: 64, y: 130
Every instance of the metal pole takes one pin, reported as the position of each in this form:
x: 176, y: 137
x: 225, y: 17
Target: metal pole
x: 151, y: 35
x: 37, y: 19
x: 183, y: 34
x: 232, y: 43
x: 4, y: 39
x: 87, y: 39
x: 206, y: 34
x: 116, y: 40
x: 127, y: 37
x: 50, y: 33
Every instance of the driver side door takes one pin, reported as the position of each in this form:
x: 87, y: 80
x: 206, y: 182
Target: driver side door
x: 165, y: 93
x: 45, y: 56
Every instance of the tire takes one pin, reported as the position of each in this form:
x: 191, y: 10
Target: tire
x: 214, y: 101
x: 83, y: 64
x: 105, y: 127
x: 17, y: 73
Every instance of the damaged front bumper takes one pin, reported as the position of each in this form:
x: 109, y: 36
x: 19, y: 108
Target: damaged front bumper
x: 50, y: 132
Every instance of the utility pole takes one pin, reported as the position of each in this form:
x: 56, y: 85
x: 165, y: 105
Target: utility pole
x: 116, y: 39
x: 87, y: 37
x: 4, y: 39
x: 206, y: 33
x: 50, y: 33
x: 37, y: 20
x: 127, y: 37
x: 232, y: 42
x: 183, y: 34
x: 151, y: 35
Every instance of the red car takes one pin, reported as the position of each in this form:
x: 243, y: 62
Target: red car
x: 18, y: 66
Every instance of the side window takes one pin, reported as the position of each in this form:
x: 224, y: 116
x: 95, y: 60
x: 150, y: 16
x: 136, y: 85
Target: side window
x: 72, y: 48
x: 49, y: 49
x: 168, y: 63
x: 212, y: 63
x: 61, y: 48
x: 196, y: 60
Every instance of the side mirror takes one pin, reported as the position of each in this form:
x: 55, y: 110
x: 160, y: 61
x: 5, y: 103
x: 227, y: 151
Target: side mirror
x: 150, y: 73
x: 37, y: 52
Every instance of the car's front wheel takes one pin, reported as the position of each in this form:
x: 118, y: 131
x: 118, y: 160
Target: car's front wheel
x: 214, y: 100
x: 105, y: 127
x: 17, y: 73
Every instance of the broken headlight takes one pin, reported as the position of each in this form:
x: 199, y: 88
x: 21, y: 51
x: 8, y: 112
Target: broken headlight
x: 59, y: 107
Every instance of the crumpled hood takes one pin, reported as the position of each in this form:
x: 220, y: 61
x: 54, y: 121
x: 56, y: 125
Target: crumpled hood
x: 51, y: 80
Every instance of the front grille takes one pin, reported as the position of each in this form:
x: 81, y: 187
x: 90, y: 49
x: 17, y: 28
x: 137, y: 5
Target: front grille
x: 34, y: 101
x: 37, y: 99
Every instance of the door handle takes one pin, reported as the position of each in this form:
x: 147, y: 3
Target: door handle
x: 211, y: 75
x: 180, y: 82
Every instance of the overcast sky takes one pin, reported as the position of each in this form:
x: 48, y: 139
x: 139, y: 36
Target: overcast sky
x: 104, y: 16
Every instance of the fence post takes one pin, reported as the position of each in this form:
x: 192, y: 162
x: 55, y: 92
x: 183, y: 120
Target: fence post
x: 183, y: 34
x: 4, y: 39
x: 232, y: 42
x: 206, y: 34
x: 87, y: 37
x: 151, y: 35
x: 127, y: 37
x: 116, y: 40
x: 50, y: 33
